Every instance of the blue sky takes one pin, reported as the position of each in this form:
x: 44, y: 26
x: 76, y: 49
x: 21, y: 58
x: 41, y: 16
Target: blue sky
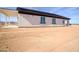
x: 71, y: 12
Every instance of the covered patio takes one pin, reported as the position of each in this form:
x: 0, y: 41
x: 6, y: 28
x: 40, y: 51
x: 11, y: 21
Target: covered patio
x: 8, y: 18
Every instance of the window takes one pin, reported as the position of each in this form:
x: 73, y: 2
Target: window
x: 63, y: 22
x: 53, y: 21
x: 42, y: 21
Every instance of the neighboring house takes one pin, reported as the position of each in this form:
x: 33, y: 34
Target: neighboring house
x: 30, y: 18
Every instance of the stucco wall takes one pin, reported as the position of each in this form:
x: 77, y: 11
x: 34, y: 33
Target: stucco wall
x: 29, y: 20
x: 48, y: 20
x: 59, y: 21
x: 21, y: 21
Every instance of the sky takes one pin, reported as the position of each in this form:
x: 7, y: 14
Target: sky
x: 71, y: 12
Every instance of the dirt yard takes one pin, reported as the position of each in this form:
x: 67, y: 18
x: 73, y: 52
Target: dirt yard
x: 40, y: 39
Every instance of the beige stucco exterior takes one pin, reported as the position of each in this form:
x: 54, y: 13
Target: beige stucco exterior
x: 25, y: 20
x: 59, y: 21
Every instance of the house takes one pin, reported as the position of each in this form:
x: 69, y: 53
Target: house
x: 29, y: 18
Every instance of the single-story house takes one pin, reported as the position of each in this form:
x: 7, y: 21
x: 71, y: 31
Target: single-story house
x: 29, y: 18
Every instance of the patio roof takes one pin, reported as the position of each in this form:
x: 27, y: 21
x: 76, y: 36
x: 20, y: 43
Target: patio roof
x: 9, y: 12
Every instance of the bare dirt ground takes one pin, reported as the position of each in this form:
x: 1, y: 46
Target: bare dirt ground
x: 40, y: 39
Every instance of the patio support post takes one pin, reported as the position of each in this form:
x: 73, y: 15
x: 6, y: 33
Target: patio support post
x: 6, y: 20
x: 9, y: 20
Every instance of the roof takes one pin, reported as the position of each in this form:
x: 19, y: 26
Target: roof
x: 35, y: 12
x: 8, y: 12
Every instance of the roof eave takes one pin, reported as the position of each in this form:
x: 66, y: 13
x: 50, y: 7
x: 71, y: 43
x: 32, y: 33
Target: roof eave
x: 29, y: 11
